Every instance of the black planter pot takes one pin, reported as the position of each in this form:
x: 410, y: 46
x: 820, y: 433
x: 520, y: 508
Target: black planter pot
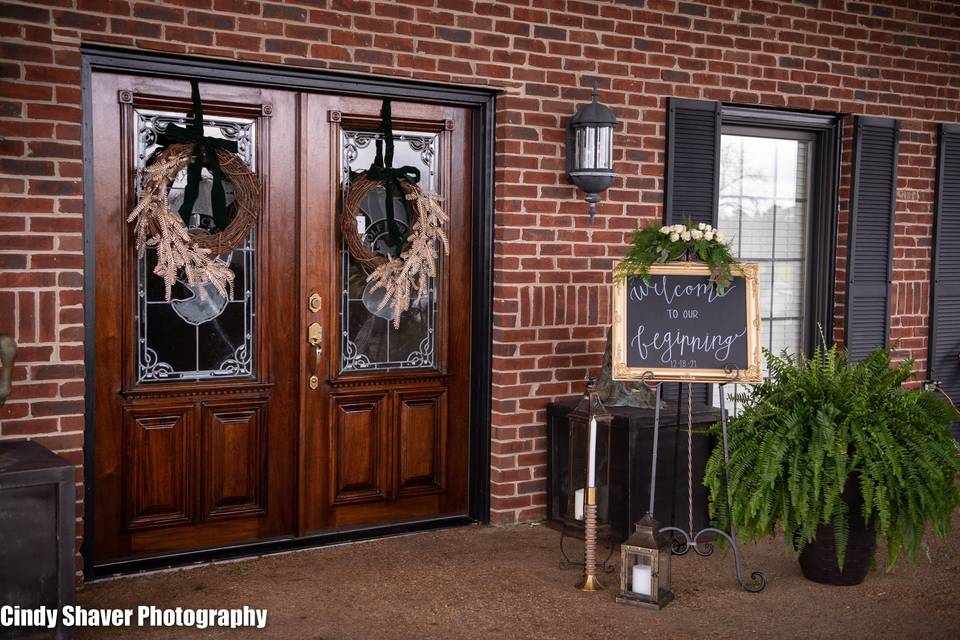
x: 818, y: 560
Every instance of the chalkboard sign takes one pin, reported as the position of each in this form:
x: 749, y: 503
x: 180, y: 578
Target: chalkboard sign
x: 678, y: 326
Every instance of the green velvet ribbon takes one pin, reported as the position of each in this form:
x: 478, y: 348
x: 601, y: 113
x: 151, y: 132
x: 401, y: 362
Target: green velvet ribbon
x: 383, y: 169
x: 205, y: 149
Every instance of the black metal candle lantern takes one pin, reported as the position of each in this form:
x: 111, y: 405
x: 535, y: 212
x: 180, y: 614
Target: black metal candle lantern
x: 587, y: 418
x: 645, y: 566
x: 590, y: 150
x: 576, y: 473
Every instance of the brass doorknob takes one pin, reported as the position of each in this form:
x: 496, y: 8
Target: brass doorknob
x: 315, y: 338
x: 8, y: 352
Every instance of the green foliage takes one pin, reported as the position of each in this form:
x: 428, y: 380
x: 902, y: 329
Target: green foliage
x: 817, y: 421
x: 655, y: 244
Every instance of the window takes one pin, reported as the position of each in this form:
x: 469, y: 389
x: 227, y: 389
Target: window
x: 776, y: 203
x: 764, y: 208
x: 198, y: 334
x: 768, y: 179
x: 369, y: 342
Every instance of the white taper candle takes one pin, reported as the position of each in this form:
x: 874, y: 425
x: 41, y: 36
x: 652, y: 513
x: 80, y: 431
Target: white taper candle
x: 592, y: 459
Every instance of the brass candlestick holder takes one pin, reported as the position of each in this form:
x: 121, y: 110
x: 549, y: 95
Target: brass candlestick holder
x: 590, y: 581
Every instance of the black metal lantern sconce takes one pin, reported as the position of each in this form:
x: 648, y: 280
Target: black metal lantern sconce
x: 590, y: 149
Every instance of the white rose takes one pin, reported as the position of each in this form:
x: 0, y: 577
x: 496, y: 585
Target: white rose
x: 679, y: 228
x: 674, y: 237
x: 703, y: 226
x: 708, y: 235
x: 696, y: 234
x: 718, y: 236
x: 665, y: 230
x: 686, y: 236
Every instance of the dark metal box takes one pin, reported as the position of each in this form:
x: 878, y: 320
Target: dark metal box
x: 37, y: 531
x: 630, y: 450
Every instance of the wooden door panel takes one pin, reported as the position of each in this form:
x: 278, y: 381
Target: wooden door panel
x: 421, y: 454
x: 228, y: 460
x: 158, y: 463
x: 359, y: 449
x: 422, y: 420
x: 234, y: 459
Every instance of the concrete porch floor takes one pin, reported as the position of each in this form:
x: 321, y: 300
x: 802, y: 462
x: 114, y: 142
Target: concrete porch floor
x: 486, y: 582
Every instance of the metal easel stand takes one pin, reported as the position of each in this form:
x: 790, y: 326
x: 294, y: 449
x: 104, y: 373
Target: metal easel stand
x: 683, y: 540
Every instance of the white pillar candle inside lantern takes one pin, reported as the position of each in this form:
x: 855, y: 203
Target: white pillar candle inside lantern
x: 578, y: 505
x: 640, y: 581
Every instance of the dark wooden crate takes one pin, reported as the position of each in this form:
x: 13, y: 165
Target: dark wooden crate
x: 37, y: 530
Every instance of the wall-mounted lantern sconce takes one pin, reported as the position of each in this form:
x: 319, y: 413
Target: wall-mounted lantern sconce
x: 590, y: 150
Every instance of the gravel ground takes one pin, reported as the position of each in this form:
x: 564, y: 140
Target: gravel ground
x: 488, y: 582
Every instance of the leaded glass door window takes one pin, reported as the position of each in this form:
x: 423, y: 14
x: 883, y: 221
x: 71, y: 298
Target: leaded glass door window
x: 368, y: 340
x: 199, y: 334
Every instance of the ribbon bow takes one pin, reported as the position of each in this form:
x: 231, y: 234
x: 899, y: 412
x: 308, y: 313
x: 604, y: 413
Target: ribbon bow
x: 382, y: 169
x: 205, y: 149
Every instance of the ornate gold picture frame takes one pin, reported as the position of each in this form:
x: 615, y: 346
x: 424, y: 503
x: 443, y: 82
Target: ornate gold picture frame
x: 747, y: 274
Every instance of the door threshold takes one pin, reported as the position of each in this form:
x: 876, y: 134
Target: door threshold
x: 245, y: 551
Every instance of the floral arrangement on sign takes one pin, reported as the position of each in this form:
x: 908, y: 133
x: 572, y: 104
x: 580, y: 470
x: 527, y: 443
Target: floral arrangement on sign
x: 654, y: 244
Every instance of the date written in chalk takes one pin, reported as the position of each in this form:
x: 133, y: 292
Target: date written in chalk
x: 142, y: 616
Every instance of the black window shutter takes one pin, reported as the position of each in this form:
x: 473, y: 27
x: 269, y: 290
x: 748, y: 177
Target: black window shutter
x: 692, y: 182
x: 944, y: 345
x: 693, y: 161
x: 873, y: 200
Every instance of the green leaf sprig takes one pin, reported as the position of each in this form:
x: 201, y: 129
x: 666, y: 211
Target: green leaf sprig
x: 653, y: 244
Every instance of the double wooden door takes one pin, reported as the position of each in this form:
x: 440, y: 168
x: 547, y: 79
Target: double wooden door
x: 292, y: 408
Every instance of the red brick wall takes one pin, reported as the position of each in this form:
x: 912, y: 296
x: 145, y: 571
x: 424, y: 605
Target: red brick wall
x: 896, y: 59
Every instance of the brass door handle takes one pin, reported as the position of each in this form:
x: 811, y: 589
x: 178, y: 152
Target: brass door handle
x: 315, y: 338
x: 8, y: 352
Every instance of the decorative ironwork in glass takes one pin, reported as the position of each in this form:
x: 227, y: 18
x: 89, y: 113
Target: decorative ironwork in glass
x: 198, y: 335
x: 368, y: 341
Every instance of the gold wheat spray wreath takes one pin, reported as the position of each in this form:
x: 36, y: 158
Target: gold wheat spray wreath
x: 194, y: 251
x: 405, y: 278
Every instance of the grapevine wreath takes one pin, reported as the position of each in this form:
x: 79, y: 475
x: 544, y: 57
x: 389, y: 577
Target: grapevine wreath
x: 411, y: 261
x: 157, y: 226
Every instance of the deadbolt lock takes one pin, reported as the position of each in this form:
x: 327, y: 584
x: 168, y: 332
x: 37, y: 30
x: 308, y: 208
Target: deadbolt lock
x: 315, y: 302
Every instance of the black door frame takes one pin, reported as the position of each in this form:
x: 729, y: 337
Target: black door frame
x: 481, y: 100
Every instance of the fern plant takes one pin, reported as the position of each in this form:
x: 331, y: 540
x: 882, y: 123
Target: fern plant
x: 817, y: 421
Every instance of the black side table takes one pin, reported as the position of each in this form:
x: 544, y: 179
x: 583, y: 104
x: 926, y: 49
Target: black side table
x: 631, y: 449
x: 37, y: 530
